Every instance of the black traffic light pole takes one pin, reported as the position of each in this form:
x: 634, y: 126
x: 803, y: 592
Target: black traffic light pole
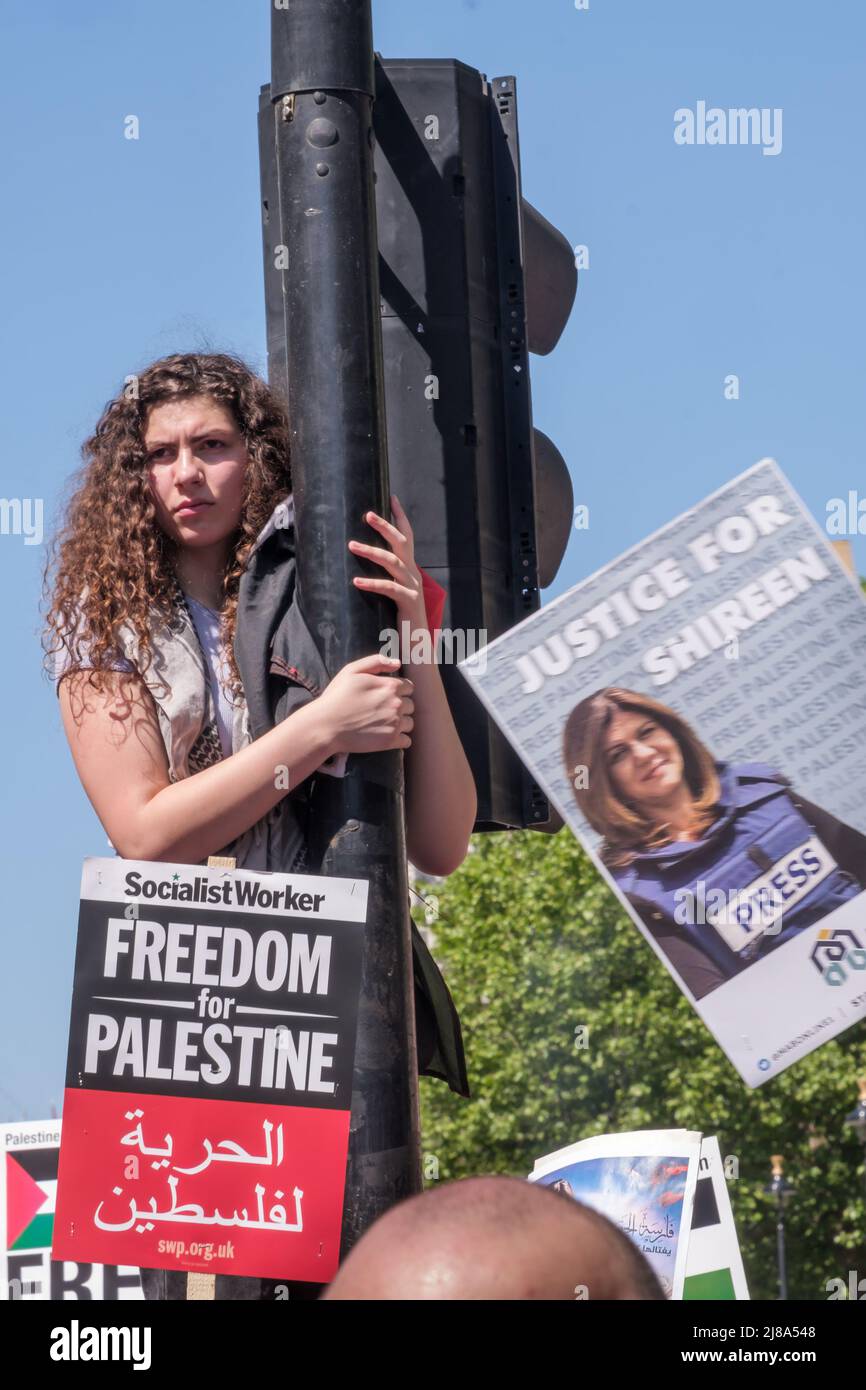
x: 322, y: 92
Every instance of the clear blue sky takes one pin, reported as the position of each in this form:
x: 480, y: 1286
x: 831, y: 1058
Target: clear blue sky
x: 704, y: 261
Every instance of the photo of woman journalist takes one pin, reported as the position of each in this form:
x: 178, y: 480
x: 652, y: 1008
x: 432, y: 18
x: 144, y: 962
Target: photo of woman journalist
x: 721, y: 861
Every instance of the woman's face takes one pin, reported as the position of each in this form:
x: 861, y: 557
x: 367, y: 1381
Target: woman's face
x: 196, y: 462
x: 644, y: 761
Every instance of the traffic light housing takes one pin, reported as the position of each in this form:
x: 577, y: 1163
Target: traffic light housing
x: 472, y: 279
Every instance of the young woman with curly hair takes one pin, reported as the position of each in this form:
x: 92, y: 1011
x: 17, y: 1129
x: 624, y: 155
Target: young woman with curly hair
x: 184, y: 477
x: 181, y: 476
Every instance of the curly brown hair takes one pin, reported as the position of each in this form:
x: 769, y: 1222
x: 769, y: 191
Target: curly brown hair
x: 110, y: 539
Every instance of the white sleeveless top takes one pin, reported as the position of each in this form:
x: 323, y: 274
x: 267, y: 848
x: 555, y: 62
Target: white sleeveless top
x: 206, y: 622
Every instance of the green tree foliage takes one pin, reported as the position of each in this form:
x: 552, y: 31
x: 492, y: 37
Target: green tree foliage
x: 573, y: 1028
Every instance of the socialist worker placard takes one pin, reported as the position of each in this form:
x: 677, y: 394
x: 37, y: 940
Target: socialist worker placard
x: 696, y: 711
x: 209, y: 1077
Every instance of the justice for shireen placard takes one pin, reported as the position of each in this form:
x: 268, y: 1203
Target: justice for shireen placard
x: 696, y: 711
x: 208, y: 1086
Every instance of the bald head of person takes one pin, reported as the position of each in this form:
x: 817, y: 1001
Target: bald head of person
x: 493, y: 1238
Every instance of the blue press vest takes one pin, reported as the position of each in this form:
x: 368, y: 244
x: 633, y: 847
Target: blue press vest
x: 757, y: 832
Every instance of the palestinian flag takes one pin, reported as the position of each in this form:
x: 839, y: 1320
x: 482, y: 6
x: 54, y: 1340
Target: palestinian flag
x: 31, y: 1185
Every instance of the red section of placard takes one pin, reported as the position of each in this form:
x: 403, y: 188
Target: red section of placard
x: 267, y: 1198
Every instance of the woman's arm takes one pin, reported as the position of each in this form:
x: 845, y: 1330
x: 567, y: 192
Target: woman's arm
x: 441, y: 803
x: 120, y: 757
